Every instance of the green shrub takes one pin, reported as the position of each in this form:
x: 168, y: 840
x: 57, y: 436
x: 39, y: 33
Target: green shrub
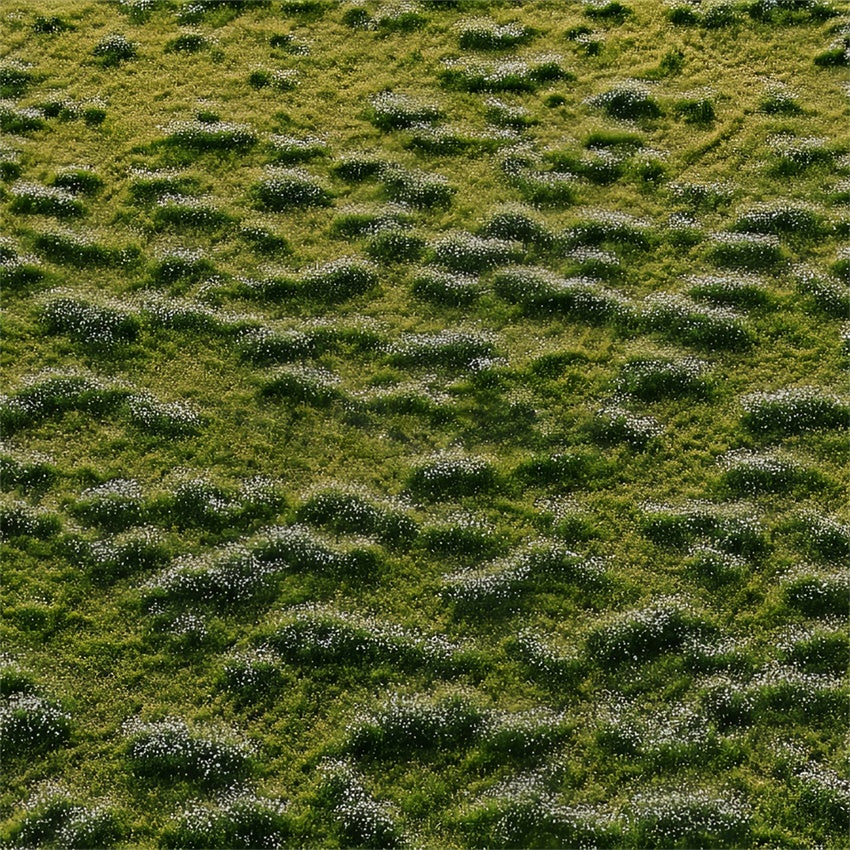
x: 461, y: 536
x: 113, y: 505
x: 210, y: 135
x: 162, y: 418
x: 709, y: 328
x: 170, y: 750
x: 338, y: 280
x: 517, y: 75
x: 607, y: 10
x: 51, y: 25
x: 349, y: 513
x: 643, y: 634
x: 818, y: 594
x: 79, y: 180
x: 187, y: 42
x: 180, y: 211
x: 794, y: 411
x: 419, y: 189
x: 452, y: 477
x: 739, y: 290
x: 18, y: 519
x: 539, y: 291
x: 290, y: 150
x: 452, y: 349
x: 281, y: 80
x: 31, y: 725
x: 484, y: 35
x: 19, y: 119
x: 181, y: 265
x: 695, y: 110
x: 357, y: 167
x: 147, y: 186
x: 607, y: 227
x: 463, y: 252
x: 445, y: 288
x: 89, y: 323
x: 628, y: 100
x: 363, y: 820
x: 239, y: 820
x: 614, y: 424
x: 35, y: 199
x: 303, y: 385
x: 653, y: 379
x: 391, y: 110
x: 794, y: 155
x: 286, y: 189
x: 395, y: 245
x: 114, y: 49
x: 757, y: 473
x: 514, y: 224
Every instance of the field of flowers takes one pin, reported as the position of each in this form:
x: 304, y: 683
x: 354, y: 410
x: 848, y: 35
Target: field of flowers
x: 425, y: 423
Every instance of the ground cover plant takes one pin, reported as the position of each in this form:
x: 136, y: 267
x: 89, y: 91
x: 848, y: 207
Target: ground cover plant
x: 424, y: 423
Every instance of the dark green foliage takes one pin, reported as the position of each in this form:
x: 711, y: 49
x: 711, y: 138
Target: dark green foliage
x: 607, y: 10
x: 26, y: 472
x: 181, y: 266
x: 338, y: 280
x: 483, y: 37
x: 290, y: 189
x: 795, y: 411
x: 187, y: 42
x: 148, y: 187
x: 643, y: 635
x: 450, y: 478
x: 14, y: 79
x: 170, y: 751
x: 114, y: 49
x: 207, y: 133
x: 822, y: 652
x: 34, y: 199
x: 90, y: 323
x: 31, y: 725
x: 53, y: 24
x: 240, y: 823
x: 358, y: 167
x: 395, y: 246
x: 14, y: 119
x: 759, y: 474
x: 349, y: 513
x: 18, y: 519
x: 708, y: 328
x: 695, y: 110
x: 516, y: 225
x: 628, y: 100
x: 818, y: 595
x: 80, y: 251
x: 263, y: 241
x: 419, y: 189
x: 439, y: 287
x: 565, y: 471
x: 650, y: 380
x: 312, y: 387
x: 79, y: 181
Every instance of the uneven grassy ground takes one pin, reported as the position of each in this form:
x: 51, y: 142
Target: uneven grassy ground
x: 523, y: 522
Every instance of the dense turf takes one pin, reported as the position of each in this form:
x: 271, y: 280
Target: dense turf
x: 425, y: 423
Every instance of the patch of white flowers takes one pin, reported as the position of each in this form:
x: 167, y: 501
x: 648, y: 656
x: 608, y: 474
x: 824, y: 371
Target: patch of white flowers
x: 505, y: 578
x: 795, y: 409
x: 172, y: 749
x: 365, y: 821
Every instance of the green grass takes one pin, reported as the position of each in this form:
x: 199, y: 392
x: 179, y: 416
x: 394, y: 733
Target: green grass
x: 437, y: 415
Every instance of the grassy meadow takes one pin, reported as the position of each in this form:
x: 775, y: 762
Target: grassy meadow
x: 425, y: 423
